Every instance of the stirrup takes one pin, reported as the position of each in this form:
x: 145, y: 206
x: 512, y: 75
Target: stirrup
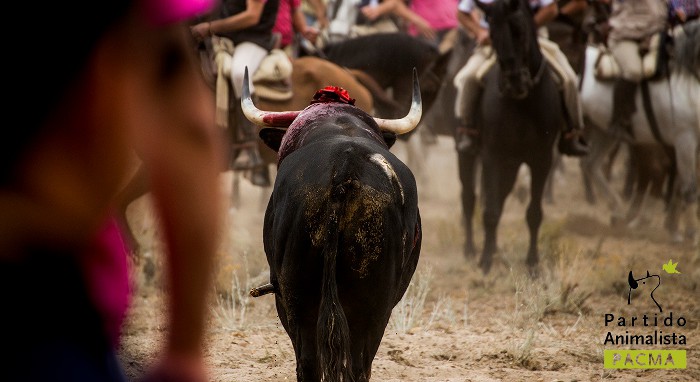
x: 572, y: 143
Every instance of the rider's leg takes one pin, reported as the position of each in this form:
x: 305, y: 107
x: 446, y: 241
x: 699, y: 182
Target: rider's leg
x: 570, y: 141
x: 248, y: 55
x: 626, y: 53
x: 468, y: 94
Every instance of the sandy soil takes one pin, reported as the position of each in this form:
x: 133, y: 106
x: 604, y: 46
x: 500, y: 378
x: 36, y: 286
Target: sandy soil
x: 454, y: 324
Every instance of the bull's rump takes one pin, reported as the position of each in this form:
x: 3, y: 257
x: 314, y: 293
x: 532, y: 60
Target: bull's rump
x: 359, y: 187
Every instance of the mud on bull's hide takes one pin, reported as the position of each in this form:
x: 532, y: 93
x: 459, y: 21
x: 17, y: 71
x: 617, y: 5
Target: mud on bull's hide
x: 363, y: 218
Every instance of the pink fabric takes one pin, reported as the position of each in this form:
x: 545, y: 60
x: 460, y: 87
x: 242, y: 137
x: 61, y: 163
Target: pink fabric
x: 161, y: 12
x: 106, y: 273
x: 440, y: 14
x: 284, y: 25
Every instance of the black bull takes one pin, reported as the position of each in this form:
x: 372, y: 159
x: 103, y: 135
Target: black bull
x: 342, y: 232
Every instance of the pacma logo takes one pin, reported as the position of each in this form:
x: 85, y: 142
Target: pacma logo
x: 651, y: 333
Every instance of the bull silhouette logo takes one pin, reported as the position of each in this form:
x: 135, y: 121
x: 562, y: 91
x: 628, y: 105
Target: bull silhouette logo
x: 634, y: 284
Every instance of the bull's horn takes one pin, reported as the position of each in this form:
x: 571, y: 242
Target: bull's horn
x: 410, y: 121
x: 263, y: 118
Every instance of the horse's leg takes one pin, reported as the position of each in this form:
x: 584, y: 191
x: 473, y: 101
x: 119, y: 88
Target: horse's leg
x: 585, y: 164
x: 540, y: 172
x: 265, y: 193
x: 640, y: 195
x: 467, y: 176
x: 686, y: 156
x: 592, y: 165
x: 415, y: 157
x: 236, y: 188
x: 587, y: 184
x: 557, y: 163
x: 498, y: 178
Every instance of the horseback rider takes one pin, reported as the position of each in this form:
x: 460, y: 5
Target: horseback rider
x: 244, y: 28
x: 633, y: 24
x: 469, y: 89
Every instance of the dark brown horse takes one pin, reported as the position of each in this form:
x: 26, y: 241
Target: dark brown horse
x: 517, y: 126
x: 389, y: 59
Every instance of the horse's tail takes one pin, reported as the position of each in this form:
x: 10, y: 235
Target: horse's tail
x: 332, y: 330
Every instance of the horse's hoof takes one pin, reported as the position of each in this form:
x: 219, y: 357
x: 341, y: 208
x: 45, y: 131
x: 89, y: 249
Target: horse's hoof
x: 617, y: 221
x: 469, y: 251
x: 533, y: 270
x: 676, y: 238
x: 591, y: 199
x: 485, y: 266
x: 634, y: 223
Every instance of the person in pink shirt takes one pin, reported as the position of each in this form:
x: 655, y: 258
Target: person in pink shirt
x: 291, y: 20
x: 440, y: 15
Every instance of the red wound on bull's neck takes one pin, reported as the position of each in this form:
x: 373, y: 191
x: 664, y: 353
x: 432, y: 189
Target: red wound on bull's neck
x: 333, y: 94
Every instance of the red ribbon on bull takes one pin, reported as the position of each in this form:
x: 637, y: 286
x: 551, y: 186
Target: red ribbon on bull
x: 333, y: 94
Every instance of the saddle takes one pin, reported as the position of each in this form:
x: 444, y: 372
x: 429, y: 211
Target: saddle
x: 654, y: 54
x: 272, y: 79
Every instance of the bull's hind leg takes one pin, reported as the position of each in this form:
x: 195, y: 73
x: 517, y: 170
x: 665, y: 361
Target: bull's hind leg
x: 303, y: 337
x: 306, y: 354
x: 498, y: 178
x: 364, y: 349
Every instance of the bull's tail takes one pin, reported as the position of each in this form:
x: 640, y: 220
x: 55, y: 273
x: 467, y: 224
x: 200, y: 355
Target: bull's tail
x: 332, y: 331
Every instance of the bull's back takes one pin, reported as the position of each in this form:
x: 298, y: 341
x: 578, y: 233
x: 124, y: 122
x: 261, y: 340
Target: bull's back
x: 360, y: 187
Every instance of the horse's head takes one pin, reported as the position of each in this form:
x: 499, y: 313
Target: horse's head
x: 433, y: 76
x: 514, y: 39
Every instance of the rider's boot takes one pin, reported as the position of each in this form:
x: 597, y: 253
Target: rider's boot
x: 247, y: 135
x: 466, y: 132
x: 623, y: 108
x: 571, y: 141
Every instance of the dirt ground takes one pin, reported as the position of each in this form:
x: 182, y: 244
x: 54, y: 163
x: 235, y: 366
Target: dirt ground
x: 454, y: 324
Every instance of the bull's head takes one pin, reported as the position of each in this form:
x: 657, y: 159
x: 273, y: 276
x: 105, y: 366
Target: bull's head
x: 283, y: 119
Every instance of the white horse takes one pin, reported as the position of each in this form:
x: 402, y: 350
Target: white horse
x: 676, y: 106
